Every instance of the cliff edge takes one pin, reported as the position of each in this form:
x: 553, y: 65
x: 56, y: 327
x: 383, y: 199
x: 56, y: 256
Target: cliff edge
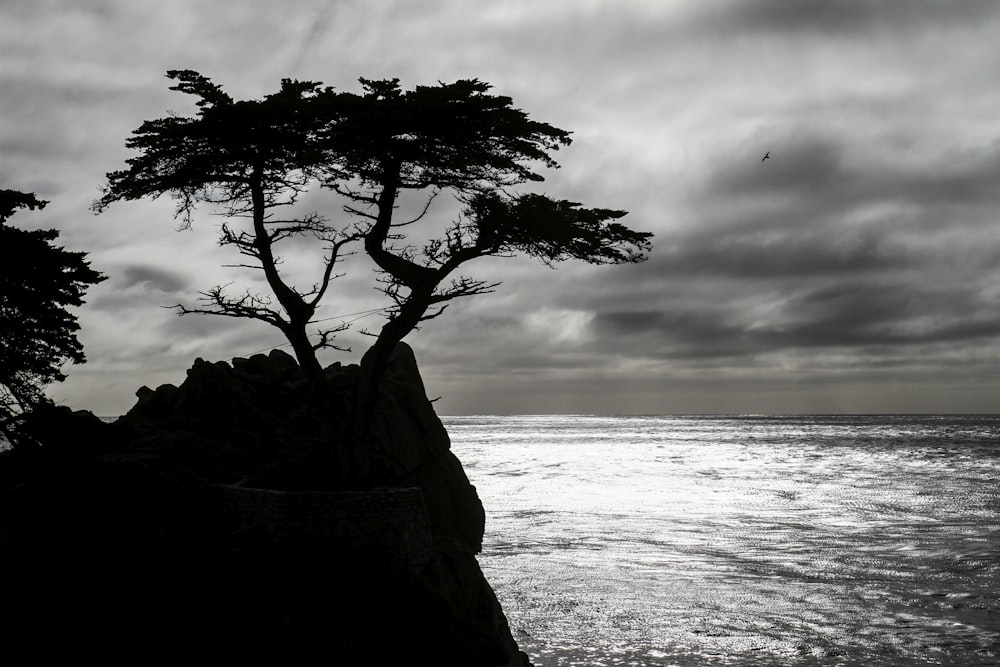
x: 122, y: 541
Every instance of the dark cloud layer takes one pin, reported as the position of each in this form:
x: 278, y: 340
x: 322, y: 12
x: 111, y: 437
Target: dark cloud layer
x: 160, y: 280
x: 850, y: 17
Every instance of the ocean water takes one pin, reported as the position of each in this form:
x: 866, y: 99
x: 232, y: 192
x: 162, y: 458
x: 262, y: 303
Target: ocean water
x: 828, y: 540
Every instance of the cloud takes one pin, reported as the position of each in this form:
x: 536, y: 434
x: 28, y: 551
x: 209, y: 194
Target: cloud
x: 866, y: 314
x: 849, y: 17
x: 156, y: 279
x: 866, y: 248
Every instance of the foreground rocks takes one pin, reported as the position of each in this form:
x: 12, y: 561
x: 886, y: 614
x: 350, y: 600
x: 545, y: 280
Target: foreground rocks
x: 116, y: 543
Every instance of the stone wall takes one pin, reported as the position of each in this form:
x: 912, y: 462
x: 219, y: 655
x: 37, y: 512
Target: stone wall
x: 390, y: 524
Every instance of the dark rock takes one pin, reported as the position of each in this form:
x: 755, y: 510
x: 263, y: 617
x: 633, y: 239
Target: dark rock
x: 116, y: 541
x: 411, y: 448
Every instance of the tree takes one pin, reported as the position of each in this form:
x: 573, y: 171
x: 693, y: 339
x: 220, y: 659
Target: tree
x: 461, y: 139
x: 38, y: 283
x: 368, y: 147
x: 252, y: 157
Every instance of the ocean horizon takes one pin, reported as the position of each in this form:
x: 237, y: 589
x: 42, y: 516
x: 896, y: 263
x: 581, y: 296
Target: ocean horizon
x: 742, y: 415
x: 741, y: 540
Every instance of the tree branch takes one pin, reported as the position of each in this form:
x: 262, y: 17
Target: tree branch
x: 249, y: 305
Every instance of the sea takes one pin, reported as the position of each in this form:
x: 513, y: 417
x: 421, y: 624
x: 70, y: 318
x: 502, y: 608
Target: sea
x: 741, y: 540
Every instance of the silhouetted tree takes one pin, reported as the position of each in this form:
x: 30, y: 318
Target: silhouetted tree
x: 252, y: 157
x: 38, y: 282
x: 370, y: 147
x: 460, y: 139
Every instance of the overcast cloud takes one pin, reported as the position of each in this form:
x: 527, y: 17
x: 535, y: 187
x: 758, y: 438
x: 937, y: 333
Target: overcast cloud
x: 855, y: 270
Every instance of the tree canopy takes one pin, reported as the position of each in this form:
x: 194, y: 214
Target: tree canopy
x: 39, y: 282
x: 255, y: 156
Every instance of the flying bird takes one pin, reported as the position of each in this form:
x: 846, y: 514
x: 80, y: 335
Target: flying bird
x: 767, y: 155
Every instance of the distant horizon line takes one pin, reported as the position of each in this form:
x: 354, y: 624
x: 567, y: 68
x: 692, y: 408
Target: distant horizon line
x: 691, y: 414
x: 727, y: 414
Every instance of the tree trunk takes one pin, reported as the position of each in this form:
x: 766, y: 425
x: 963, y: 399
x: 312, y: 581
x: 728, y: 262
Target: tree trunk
x: 296, y: 309
x: 306, y: 356
x: 374, y: 365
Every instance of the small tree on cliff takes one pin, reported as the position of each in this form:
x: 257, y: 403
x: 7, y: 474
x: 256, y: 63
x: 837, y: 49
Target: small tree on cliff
x: 369, y: 147
x: 38, y: 282
x: 460, y: 139
x: 253, y: 158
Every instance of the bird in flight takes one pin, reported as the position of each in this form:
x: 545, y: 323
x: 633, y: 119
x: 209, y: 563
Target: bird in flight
x: 767, y: 155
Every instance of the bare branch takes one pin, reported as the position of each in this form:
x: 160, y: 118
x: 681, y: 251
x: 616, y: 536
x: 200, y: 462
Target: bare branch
x: 427, y: 204
x: 463, y: 286
x: 346, y: 190
x: 331, y: 260
x: 358, y: 212
x: 249, y: 305
x: 326, y: 337
x: 242, y: 266
x: 436, y: 313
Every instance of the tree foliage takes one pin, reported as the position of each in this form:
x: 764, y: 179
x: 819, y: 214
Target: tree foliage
x: 369, y: 147
x: 462, y: 139
x: 252, y: 157
x: 39, y: 282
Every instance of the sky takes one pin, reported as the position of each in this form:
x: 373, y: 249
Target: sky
x: 857, y: 270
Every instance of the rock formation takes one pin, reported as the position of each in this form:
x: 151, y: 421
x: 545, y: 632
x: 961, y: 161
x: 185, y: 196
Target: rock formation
x: 121, y: 547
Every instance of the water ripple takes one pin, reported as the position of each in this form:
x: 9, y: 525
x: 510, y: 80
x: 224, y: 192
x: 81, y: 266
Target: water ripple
x: 759, y: 540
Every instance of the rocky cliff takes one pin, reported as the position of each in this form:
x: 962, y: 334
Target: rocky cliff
x: 121, y: 547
